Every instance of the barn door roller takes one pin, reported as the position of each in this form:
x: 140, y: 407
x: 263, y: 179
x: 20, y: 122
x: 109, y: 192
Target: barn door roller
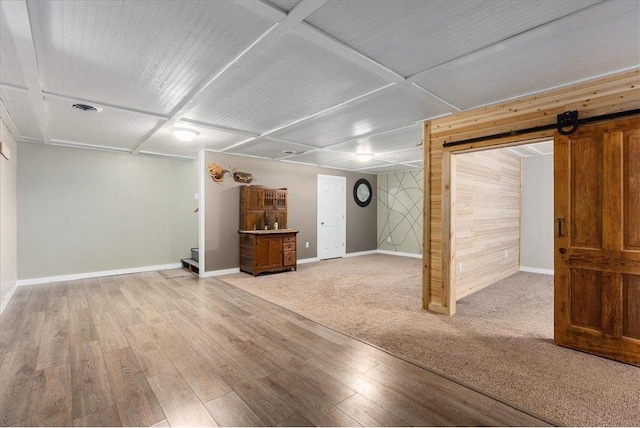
x: 566, y: 119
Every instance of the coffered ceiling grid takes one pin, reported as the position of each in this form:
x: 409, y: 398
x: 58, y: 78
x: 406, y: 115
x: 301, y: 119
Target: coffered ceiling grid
x: 321, y: 79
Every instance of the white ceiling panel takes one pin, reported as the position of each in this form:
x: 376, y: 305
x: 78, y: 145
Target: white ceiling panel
x: 553, y: 55
x: 529, y: 150
x: 137, y: 54
x: 545, y: 148
x: 19, y: 106
x: 402, y: 139
x: 110, y: 127
x: 355, y: 164
x: 287, y: 78
x: 10, y: 69
x: 322, y: 157
x: 412, y: 36
x: 210, y: 139
x: 268, y: 148
x: 388, y: 109
x: 387, y: 169
x: 405, y: 156
x: 285, y: 5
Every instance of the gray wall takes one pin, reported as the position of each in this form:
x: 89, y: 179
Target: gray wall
x: 8, y: 227
x: 86, y: 211
x: 536, y: 241
x: 222, y: 207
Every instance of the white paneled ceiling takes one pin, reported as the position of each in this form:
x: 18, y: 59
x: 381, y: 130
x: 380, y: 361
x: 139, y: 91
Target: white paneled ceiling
x: 107, y: 128
x: 390, y: 108
x: 567, y: 47
x: 10, y: 70
x: 433, y: 32
x: 528, y: 150
x: 269, y: 148
x: 164, y: 142
x: 146, y: 55
x: 321, y: 79
x: 17, y: 102
x: 259, y: 94
x: 387, y: 142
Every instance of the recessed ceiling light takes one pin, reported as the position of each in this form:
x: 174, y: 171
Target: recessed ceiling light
x: 364, y: 157
x: 185, y: 134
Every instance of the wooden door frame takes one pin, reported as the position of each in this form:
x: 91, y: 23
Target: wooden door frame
x: 449, y: 170
x: 608, y: 94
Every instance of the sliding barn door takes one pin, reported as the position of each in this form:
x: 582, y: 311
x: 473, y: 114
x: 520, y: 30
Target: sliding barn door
x: 597, y: 243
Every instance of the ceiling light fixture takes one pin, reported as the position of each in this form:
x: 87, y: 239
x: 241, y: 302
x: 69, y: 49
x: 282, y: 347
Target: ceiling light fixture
x: 289, y: 152
x: 364, y: 157
x: 185, y: 134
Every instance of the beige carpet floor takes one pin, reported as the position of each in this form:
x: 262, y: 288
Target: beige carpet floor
x: 500, y: 341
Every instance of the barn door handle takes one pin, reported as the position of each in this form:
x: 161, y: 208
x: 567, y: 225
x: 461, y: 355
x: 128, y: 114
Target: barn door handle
x: 560, y: 224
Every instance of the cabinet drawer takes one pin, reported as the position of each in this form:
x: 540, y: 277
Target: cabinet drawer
x: 289, y: 239
x: 289, y: 258
x: 288, y: 246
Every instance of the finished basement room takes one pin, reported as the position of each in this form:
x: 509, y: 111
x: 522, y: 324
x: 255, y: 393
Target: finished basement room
x: 319, y: 213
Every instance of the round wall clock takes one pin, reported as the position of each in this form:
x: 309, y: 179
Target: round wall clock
x: 362, y: 192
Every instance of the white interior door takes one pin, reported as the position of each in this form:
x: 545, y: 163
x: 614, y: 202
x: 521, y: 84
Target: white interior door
x: 332, y: 206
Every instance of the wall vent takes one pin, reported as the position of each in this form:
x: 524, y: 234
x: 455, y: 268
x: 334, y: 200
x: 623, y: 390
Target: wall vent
x: 86, y: 108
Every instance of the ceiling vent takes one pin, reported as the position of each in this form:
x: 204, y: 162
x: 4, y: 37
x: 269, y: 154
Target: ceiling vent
x: 86, y: 108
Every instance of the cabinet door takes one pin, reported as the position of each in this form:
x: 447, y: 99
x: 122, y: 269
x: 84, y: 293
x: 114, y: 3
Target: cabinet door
x: 269, y: 201
x: 281, y: 200
x: 256, y: 199
x: 269, y: 252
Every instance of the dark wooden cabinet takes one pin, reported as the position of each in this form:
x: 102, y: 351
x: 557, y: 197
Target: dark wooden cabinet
x: 267, y: 251
x: 263, y: 248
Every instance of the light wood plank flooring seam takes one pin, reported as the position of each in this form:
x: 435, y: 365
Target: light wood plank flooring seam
x: 435, y: 372
x: 215, y: 355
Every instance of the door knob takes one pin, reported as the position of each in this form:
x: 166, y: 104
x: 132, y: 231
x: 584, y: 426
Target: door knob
x: 322, y: 223
x: 562, y: 250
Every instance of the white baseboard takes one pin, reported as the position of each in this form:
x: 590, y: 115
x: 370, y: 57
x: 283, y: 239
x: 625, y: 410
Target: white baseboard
x: 536, y: 270
x: 361, y: 253
x: 219, y: 272
x: 312, y: 260
x: 398, y: 253
x: 86, y: 275
x: 8, y: 297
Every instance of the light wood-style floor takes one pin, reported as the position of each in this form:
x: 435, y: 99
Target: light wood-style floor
x: 146, y: 350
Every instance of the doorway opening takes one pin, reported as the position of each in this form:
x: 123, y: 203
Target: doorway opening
x: 501, y: 215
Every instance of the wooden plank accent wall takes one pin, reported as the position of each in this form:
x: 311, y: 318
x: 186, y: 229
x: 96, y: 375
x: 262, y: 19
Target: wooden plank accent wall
x: 485, y: 219
x: 610, y: 94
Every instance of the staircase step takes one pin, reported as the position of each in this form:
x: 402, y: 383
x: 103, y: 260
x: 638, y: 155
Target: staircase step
x: 190, y: 265
x: 195, y: 254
